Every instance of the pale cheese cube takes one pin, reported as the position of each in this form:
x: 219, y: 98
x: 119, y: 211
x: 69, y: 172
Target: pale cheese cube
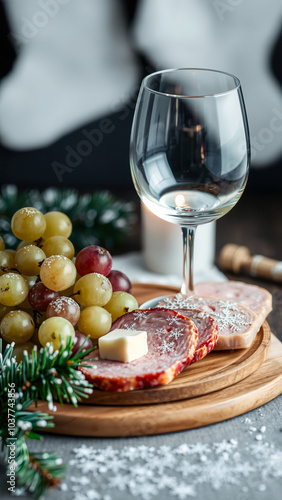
x: 123, y: 345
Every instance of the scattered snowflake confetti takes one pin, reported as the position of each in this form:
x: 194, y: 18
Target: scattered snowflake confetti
x: 247, y: 420
x: 148, y: 472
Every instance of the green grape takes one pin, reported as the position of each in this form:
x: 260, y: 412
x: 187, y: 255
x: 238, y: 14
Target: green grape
x: 13, y: 289
x: 121, y: 303
x: 29, y: 259
x: 19, y: 349
x: 17, y: 326
x: 52, y: 328
x: 7, y: 261
x: 2, y: 243
x: 94, y: 321
x: 58, y: 245
x: 4, y: 310
x: 28, y: 224
x: 12, y: 252
x: 93, y: 290
x: 24, y: 244
x: 57, y: 224
x: 58, y: 273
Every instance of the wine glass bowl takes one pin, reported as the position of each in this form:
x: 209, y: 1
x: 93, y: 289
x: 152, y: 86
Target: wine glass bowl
x: 190, y: 149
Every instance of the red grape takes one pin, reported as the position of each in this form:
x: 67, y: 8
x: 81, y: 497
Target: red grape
x: 65, y: 307
x: 40, y: 296
x: 87, y: 344
x: 119, y: 281
x: 93, y: 259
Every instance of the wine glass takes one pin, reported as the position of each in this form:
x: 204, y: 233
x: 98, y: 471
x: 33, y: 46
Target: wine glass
x: 190, y: 150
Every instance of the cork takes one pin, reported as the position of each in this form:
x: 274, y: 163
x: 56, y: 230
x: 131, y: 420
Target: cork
x: 238, y: 259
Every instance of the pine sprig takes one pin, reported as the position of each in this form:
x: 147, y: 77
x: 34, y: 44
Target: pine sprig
x: 50, y: 376
x: 37, y: 471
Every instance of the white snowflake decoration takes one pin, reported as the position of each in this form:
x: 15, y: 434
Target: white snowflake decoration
x: 131, y: 326
x: 160, y: 331
x: 228, y: 315
x: 176, y: 334
x: 139, y: 314
x: 166, y: 347
x: 174, y: 320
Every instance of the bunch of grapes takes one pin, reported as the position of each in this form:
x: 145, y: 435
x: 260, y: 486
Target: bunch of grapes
x: 48, y: 295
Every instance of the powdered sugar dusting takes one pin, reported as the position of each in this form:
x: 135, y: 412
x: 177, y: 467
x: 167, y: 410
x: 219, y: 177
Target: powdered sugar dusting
x: 60, y: 303
x: 55, y: 258
x: 13, y: 277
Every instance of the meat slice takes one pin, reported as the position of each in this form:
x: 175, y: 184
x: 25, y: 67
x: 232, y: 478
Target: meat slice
x: 254, y: 297
x: 237, y: 324
x: 207, y: 331
x: 172, y: 340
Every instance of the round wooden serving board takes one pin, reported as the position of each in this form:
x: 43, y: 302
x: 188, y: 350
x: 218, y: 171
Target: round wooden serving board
x: 216, y: 371
x: 222, y: 385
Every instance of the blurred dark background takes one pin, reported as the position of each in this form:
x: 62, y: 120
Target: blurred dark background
x: 106, y: 166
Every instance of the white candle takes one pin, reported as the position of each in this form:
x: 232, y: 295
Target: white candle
x: 163, y: 248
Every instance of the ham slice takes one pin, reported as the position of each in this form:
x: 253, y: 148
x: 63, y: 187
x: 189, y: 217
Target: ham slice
x: 237, y: 324
x: 172, y: 340
x: 254, y: 297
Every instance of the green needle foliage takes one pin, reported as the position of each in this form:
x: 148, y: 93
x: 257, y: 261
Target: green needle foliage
x: 49, y: 376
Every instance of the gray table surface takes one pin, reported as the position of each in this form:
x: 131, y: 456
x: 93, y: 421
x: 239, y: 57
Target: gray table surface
x: 204, y: 459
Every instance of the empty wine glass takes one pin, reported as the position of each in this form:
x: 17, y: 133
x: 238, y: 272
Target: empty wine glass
x: 190, y: 150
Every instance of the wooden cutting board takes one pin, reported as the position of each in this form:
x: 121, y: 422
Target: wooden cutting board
x: 259, y: 380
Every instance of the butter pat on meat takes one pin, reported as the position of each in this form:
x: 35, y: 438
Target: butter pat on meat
x: 123, y: 345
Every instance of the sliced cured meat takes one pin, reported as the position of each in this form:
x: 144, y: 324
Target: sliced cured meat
x: 237, y: 324
x: 172, y: 340
x: 207, y: 331
x: 254, y: 297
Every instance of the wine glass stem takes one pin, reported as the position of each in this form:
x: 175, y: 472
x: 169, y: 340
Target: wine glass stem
x: 188, y: 234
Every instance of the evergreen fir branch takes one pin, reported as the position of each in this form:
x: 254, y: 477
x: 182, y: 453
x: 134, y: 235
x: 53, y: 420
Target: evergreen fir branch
x: 36, y: 472
x: 98, y: 218
x: 47, y: 375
